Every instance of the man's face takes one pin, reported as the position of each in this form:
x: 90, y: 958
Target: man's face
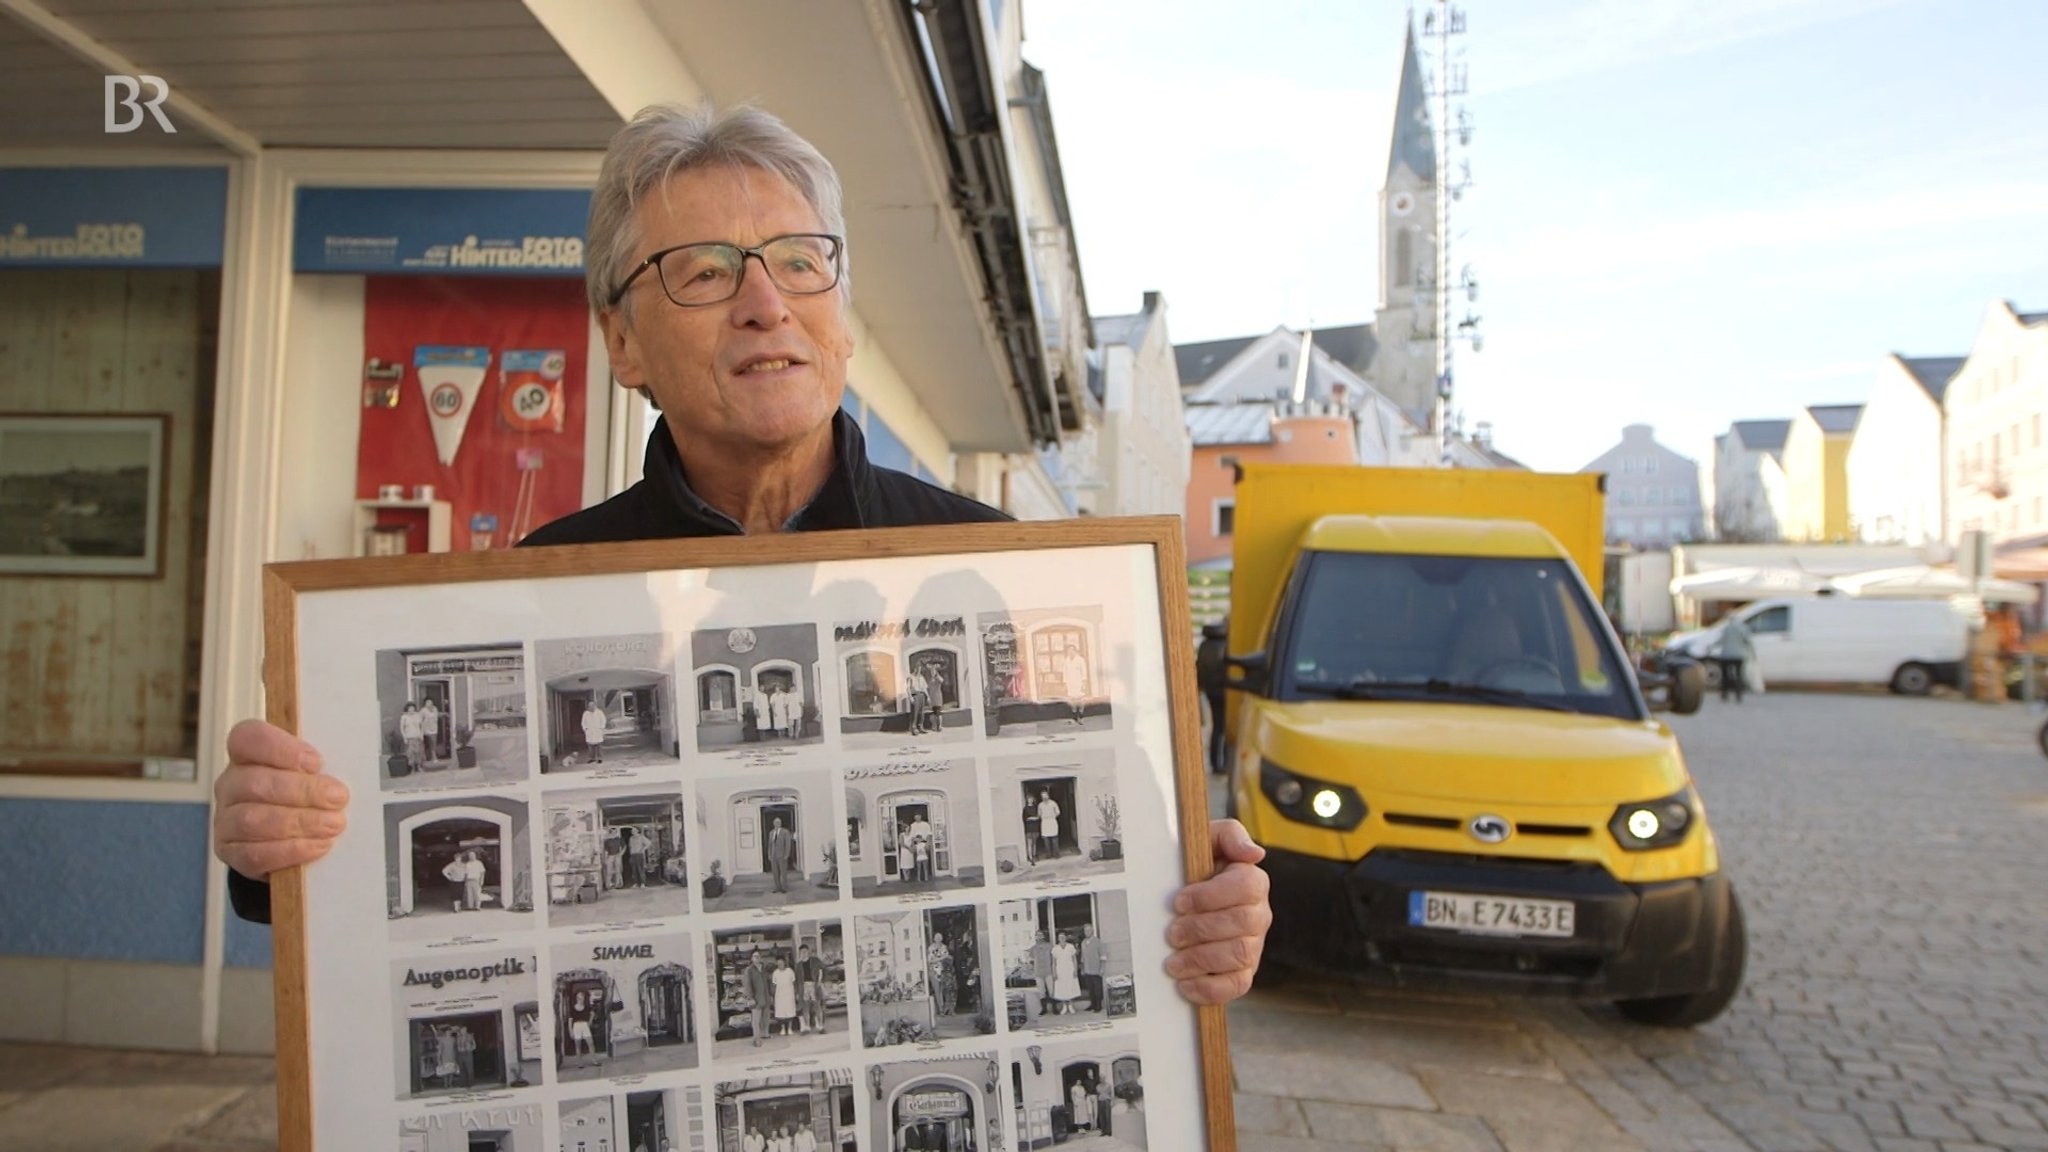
x: 761, y: 370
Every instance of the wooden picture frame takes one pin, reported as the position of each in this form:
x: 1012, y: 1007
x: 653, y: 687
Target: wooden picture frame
x: 1011, y: 702
x: 83, y: 493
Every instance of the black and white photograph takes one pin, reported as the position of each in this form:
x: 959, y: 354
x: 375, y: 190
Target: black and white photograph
x: 922, y: 976
x: 452, y: 716
x: 498, y: 1128
x: 944, y: 1104
x: 780, y: 991
x: 757, y: 688
x: 624, y: 1005
x: 607, y: 703
x: 82, y: 495
x: 799, y: 1112
x: 1067, y: 960
x: 903, y: 681
x: 1043, y: 672
x: 914, y: 825
x: 616, y: 855
x: 1058, y: 815
x: 469, y: 1022
x: 770, y: 840
x: 1083, y: 1096
x: 654, y: 1120
x: 457, y: 868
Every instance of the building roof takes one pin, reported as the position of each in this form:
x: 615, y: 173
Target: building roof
x: 1414, y: 140
x: 1933, y: 372
x: 1351, y: 345
x: 1834, y: 418
x: 1762, y: 435
x: 1120, y: 329
x: 1211, y: 425
x: 2031, y: 318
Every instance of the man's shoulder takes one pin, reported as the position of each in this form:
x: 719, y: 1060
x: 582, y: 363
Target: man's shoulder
x: 900, y: 500
x: 635, y: 514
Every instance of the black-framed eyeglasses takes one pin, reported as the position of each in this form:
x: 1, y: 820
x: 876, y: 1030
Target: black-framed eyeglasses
x: 693, y: 275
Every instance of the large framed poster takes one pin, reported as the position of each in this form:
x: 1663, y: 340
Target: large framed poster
x: 833, y: 842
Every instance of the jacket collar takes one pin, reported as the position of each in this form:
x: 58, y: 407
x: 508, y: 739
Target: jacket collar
x: 838, y: 504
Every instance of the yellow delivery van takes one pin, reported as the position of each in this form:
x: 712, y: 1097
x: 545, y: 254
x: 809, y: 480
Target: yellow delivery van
x: 1452, y: 765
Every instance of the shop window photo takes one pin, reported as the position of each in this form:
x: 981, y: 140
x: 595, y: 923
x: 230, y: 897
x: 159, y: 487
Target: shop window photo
x: 1043, y: 672
x: 82, y: 495
x: 944, y: 1103
x: 1067, y: 960
x: 624, y: 1005
x: 757, y: 688
x: 923, y: 975
x: 914, y: 826
x: 1058, y: 816
x: 608, y: 704
x: 779, y: 991
x: 903, y: 682
x: 452, y: 716
x: 457, y: 867
x: 770, y: 840
x: 616, y: 855
x: 465, y: 1023
x: 1080, y: 1094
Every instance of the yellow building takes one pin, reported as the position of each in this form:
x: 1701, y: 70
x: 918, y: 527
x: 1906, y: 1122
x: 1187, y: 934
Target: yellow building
x: 1817, y: 472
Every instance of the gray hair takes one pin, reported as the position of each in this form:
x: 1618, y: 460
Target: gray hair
x: 665, y: 140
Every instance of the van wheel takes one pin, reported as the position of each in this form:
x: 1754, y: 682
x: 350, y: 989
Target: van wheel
x: 1699, y: 1007
x: 1913, y: 680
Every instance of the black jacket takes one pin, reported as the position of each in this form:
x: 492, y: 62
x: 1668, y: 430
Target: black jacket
x: 662, y: 506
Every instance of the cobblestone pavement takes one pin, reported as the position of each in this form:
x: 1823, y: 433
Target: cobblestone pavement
x: 1890, y: 856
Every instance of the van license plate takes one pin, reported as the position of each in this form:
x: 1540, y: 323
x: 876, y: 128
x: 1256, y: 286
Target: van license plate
x: 1496, y: 915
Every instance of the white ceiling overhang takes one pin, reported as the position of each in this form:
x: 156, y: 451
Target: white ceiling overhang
x: 524, y: 75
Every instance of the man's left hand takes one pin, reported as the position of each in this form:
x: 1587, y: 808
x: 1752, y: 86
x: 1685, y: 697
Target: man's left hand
x: 1219, y: 925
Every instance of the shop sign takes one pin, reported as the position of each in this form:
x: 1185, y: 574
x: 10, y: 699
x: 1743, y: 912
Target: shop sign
x: 943, y: 1105
x: 468, y: 664
x: 922, y: 628
x: 509, y: 966
x: 169, y: 217
x: 441, y: 231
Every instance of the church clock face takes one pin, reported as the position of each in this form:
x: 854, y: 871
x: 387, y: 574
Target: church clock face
x: 1401, y: 203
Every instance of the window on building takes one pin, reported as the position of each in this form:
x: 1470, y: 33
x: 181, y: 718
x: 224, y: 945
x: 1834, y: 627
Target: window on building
x: 1650, y: 465
x: 1223, y: 521
x: 1404, y: 257
x: 1625, y: 497
x: 1624, y: 529
x: 1282, y: 361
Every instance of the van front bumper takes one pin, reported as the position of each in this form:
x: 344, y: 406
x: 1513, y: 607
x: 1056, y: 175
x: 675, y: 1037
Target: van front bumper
x: 1630, y: 941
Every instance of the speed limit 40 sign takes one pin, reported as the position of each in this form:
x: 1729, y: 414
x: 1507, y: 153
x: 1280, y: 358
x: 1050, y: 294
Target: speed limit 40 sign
x: 530, y: 393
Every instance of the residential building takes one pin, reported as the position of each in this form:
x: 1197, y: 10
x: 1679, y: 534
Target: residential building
x: 1144, y: 468
x: 294, y: 239
x: 1997, y: 473
x: 1653, y: 493
x: 1894, y: 468
x: 1817, y: 472
x: 1750, y: 498
x: 1226, y: 435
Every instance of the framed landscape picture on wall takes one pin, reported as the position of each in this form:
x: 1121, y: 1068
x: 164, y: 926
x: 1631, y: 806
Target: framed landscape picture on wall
x: 82, y: 494
x: 862, y: 840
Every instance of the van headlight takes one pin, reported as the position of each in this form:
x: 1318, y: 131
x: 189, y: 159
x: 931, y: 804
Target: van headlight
x: 1657, y: 824
x: 1307, y: 800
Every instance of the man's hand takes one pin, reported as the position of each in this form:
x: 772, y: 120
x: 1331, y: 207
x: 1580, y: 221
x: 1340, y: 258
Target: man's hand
x: 272, y: 807
x: 1219, y: 925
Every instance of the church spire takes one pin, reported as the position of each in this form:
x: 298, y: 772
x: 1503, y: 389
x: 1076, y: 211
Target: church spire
x: 1414, y: 137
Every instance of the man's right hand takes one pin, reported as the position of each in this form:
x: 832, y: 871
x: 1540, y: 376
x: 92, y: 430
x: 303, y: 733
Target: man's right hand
x: 272, y: 806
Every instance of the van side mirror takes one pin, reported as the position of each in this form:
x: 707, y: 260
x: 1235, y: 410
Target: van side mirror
x: 1683, y: 685
x: 1247, y: 673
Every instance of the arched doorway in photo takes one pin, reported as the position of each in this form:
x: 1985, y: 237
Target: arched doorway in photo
x: 933, y: 1116
x: 665, y: 1010
x: 437, y: 847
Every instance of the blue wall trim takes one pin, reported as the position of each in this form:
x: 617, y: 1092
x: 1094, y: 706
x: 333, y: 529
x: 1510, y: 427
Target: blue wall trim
x: 103, y: 880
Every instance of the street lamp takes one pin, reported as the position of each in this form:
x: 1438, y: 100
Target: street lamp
x: 875, y: 1079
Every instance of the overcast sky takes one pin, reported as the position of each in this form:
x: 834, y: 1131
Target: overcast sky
x: 1687, y: 212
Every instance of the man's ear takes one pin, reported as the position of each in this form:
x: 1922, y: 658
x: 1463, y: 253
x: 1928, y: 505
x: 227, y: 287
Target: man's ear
x: 622, y: 347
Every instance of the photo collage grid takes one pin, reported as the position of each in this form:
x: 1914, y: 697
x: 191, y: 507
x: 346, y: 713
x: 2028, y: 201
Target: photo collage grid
x: 789, y: 886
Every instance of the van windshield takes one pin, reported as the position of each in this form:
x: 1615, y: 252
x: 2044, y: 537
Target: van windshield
x: 1457, y: 629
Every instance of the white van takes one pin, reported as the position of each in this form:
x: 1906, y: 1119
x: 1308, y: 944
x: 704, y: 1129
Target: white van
x: 1910, y: 645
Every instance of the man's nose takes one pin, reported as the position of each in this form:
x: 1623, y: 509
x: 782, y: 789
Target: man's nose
x: 758, y: 301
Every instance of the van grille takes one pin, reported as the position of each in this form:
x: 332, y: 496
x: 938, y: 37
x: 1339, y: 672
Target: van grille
x: 1410, y: 820
x: 1553, y: 830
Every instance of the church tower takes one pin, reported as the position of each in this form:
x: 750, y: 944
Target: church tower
x: 1404, y: 324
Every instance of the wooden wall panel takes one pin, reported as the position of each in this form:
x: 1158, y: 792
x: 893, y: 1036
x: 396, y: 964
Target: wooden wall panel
x: 104, y: 664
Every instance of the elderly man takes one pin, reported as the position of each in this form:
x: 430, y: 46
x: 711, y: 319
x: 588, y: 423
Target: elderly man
x: 716, y: 266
